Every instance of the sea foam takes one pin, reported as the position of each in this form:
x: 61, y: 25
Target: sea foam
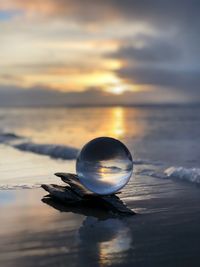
x: 185, y: 174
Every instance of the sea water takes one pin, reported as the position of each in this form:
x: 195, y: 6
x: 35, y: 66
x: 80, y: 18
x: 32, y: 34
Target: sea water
x: 159, y: 136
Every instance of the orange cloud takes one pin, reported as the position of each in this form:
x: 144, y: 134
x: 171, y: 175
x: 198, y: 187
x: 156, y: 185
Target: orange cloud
x: 78, y: 9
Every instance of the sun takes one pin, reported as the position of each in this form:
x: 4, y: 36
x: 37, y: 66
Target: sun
x: 118, y: 90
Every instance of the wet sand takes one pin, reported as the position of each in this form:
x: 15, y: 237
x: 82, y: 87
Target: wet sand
x: 165, y: 232
x: 28, y: 170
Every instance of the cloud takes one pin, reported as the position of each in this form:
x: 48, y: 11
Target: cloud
x: 157, y: 42
x: 159, y: 61
x: 38, y: 96
x: 41, y: 96
x: 90, y: 10
x: 147, y: 49
x: 177, y: 79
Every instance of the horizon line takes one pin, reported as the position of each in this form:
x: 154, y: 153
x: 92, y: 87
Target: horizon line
x: 178, y: 104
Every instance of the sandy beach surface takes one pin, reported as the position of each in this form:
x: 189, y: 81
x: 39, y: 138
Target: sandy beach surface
x: 165, y: 231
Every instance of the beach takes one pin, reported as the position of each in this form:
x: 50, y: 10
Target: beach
x: 163, y: 190
x: 165, y: 231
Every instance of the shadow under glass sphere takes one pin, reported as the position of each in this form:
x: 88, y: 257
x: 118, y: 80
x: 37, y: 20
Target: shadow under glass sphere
x: 104, y: 165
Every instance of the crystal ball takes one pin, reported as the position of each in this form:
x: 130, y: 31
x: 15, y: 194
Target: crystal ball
x: 104, y: 165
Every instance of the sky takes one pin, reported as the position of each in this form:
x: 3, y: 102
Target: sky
x: 57, y: 52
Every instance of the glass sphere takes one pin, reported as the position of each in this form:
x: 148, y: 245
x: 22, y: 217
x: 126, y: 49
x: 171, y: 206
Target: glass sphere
x: 104, y: 165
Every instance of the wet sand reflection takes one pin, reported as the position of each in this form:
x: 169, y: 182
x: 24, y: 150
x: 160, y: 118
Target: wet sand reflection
x: 103, y: 238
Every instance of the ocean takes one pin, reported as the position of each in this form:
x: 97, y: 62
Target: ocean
x: 165, y: 137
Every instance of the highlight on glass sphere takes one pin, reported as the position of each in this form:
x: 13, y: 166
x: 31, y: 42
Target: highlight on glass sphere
x: 104, y: 165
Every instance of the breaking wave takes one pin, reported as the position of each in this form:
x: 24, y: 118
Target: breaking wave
x: 7, y: 137
x: 179, y: 173
x: 185, y: 174
x: 54, y: 151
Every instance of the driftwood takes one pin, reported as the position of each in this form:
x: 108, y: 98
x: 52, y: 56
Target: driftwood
x: 74, y: 194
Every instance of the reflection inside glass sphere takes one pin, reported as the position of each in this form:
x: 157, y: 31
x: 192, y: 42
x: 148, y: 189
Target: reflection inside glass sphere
x: 104, y: 165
